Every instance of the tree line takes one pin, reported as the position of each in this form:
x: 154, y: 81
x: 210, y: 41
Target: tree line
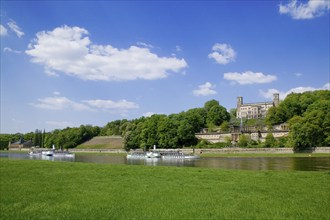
x: 165, y: 131
x: 308, y: 116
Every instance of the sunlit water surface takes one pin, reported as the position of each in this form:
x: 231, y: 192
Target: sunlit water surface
x: 240, y: 163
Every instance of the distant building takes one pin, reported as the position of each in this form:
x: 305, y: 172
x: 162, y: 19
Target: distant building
x: 20, y: 144
x: 255, y: 110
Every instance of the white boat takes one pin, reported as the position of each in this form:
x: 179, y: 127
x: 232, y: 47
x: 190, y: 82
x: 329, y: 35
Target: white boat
x: 63, y: 154
x: 136, y: 155
x: 48, y: 153
x: 170, y: 155
x: 51, y: 153
x: 35, y: 154
x: 153, y: 154
x: 178, y: 155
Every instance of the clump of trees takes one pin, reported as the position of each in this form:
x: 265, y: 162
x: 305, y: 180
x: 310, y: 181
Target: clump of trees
x: 70, y: 137
x: 175, y: 130
x: 308, y: 115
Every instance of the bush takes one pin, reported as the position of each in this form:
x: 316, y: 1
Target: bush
x: 282, y: 141
x: 243, y: 140
x: 270, y: 140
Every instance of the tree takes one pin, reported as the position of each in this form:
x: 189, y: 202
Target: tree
x: 233, y: 112
x: 37, y: 139
x: 209, y: 104
x: 167, y: 133
x: 216, y: 115
x: 308, y: 132
x: 186, y: 133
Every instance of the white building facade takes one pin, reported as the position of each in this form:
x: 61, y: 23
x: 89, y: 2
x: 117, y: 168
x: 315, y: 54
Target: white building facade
x: 255, y: 110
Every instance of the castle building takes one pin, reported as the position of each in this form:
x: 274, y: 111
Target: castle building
x: 255, y: 110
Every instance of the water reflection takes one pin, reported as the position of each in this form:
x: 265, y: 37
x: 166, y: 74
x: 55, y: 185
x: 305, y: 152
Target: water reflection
x: 240, y: 163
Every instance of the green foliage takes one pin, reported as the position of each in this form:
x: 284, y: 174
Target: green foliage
x: 233, y: 112
x: 4, y: 141
x: 308, y: 117
x: 6, y: 138
x: 309, y: 131
x: 244, y: 140
x: 296, y: 104
x: 216, y: 115
x: 38, y: 138
x: 114, y: 128
x: 209, y: 104
x: 175, y: 130
x: 228, y: 141
x: 224, y: 126
x: 282, y: 142
x: 203, y: 144
x: 270, y: 141
x: 70, y: 137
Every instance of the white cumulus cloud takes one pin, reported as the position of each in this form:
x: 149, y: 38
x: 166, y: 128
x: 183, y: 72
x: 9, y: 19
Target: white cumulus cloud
x: 308, y: 10
x: 269, y: 93
x: 222, y: 53
x: 15, y: 28
x: 3, y: 30
x: 69, y: 50
x: 110, y: 105
x: 60, y: 124
x: 60, y: 103
x: 205, y: 90
x: 249, y: 77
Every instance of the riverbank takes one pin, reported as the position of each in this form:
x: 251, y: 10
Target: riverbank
x: 216, y: 152
x: 101, y: 191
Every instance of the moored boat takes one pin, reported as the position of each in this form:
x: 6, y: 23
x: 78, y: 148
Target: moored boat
x: 48, y: 153
x: 51, y: 153
x: 161, y: 154
x: 153, y: 154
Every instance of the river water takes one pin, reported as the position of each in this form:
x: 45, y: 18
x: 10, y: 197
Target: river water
x: 241, y: 163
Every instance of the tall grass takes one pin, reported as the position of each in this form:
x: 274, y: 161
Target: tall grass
x: 57, y: 190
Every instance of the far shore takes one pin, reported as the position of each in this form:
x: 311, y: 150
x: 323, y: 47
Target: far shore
x: 214, y: 152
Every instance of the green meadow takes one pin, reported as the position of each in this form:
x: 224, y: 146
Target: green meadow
x: 32, y: 189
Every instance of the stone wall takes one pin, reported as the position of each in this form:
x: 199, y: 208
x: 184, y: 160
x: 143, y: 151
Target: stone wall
x: 231, y: 150
x: 216, y: 137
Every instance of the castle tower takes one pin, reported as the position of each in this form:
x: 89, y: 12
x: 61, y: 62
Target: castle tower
x: 239, y: 104
x: 239, y: 101
x: 276, y: 99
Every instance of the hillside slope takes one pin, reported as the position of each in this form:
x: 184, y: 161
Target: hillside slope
x: 103, y: 142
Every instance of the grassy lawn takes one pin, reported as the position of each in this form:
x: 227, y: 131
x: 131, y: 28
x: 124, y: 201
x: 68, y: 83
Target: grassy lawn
x: 103, y: 142
x: 58, y: 190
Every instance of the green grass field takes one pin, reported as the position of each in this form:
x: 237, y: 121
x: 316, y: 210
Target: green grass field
x: 33, y: 189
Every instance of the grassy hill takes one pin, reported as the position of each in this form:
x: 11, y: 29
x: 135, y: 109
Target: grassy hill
x: 103, y: 142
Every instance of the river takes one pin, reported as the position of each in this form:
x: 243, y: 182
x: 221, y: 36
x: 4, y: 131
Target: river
x: 241, y: 163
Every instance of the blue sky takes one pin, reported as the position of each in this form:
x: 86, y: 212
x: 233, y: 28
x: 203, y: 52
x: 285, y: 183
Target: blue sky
x: 68, y: 63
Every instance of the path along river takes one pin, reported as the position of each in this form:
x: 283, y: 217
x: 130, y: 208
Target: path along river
x: 309, y: 163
